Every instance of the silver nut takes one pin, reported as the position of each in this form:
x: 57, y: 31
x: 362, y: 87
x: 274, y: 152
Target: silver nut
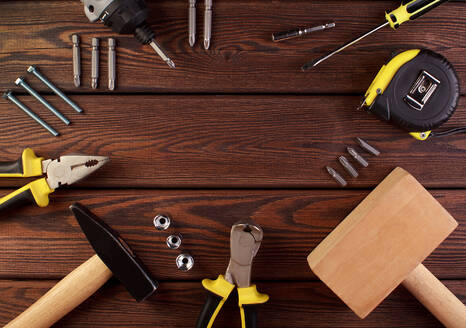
x: 174, y: 241
x: 162, y: 222
x: 184, y: 262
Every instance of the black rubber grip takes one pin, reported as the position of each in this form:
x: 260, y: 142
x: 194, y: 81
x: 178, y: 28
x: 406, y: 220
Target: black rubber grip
x: 279, y: 36
x: 208, y: 310
x: 250, y: 315
x: 23, y: 198
x: 416, y: 5
x: 12, y: 167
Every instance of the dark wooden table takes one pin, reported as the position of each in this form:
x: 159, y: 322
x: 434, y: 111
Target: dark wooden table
x: 234, y: 132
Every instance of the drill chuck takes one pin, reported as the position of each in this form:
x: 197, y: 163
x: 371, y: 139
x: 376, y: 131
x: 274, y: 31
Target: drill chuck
x: 125, y: 17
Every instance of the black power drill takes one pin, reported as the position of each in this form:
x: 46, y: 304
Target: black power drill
x: 125, y: 17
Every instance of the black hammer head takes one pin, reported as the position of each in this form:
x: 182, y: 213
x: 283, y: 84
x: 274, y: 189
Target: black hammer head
x: 115, y: 253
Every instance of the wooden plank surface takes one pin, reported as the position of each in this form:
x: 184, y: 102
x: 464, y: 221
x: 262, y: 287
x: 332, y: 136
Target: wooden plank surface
x: 294, y: 222
x: 234, y: 132
x: 302, y: 304
x: 230, y: 141
x: 242, y: 57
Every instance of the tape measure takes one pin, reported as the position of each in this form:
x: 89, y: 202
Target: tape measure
x: 417, y: 90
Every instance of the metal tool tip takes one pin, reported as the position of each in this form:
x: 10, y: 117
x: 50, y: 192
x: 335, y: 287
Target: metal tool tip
x: 309, y: 65
x: 31, y: 69
x: 192, y: 40
x: 206, y: 44
x: 77, y: 81
x: 111, y: 85
x: 171, y: 63
x: 94, y: 83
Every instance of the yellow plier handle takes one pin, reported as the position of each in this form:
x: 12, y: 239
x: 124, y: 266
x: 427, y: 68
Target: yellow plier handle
x: 29, y: 165
x: 410, y: 10
x: 219, y: 291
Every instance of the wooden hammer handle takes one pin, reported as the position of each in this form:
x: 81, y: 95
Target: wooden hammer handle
x: 437, y: 298
x: 66, y: 295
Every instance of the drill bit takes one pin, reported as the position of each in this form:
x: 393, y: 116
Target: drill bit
x: 111, y: 63
x: 207, y: 23
x: 76, y: 61
x: 192, y: 22
x: 280, y: 36
x: 158, y: 49
x: 95, y: 63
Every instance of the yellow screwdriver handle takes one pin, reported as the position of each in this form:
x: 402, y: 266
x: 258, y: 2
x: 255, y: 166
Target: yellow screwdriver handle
x: 410, y: 10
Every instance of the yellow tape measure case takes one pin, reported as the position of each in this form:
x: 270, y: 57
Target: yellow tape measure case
x: 417, y: 90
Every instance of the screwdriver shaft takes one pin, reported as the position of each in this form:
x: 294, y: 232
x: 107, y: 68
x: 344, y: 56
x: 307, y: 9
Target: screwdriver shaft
x: 316, y: 62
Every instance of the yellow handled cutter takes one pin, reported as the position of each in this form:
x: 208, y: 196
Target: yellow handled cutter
x: 63, y: 171
x: 409, y: 10
x: 245, y: 240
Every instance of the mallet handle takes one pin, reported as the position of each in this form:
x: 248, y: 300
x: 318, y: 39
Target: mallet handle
x: 437, y: 298
x: 66, y: 295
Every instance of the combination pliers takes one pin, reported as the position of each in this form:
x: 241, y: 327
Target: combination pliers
x: 245, y: 241
x: 62, y: 171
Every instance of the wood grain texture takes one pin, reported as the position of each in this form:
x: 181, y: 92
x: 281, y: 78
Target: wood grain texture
x: 48, y: 243
x: 228, y: 121
x: 177, y: 304
x: 242, y: 58
x: 229, y: 141
x: 381, y: 242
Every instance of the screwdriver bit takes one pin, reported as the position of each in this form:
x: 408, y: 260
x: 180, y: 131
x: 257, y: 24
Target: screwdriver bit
x: 338, y: 178
x: 159, y: 50
x: 281, y: 36
x: 348, y: 167
x: 192, y: 22
x: 365, y: 145
x: 361, y: 160
x: 95, y: 63
x: 76, y: 61
x: 111, y: 63
x: 207, y: 23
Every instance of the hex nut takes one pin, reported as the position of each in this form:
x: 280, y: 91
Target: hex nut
x: 174, y: 241
x: 184, y: 262
x: 162, y: 222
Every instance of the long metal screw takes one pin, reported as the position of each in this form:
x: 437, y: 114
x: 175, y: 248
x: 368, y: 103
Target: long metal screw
x: 111, y: 63
x: 76, y: 60
x: 8, y: 95
x: 95, y: 63
x: 20, y: 81
x: 32, y: 69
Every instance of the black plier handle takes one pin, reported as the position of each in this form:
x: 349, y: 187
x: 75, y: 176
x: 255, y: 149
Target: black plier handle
x: 29, y: 165
x: 219, y: 291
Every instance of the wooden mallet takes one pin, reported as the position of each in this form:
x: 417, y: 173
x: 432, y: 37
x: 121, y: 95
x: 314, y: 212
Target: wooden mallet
x: 382, y: 243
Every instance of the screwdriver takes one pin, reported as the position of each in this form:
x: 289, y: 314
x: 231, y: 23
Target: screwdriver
x: 409, y: 10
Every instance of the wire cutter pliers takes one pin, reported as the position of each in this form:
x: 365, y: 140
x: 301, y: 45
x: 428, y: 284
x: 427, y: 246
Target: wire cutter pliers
x: 63, y: 171
x: 245, y: 241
